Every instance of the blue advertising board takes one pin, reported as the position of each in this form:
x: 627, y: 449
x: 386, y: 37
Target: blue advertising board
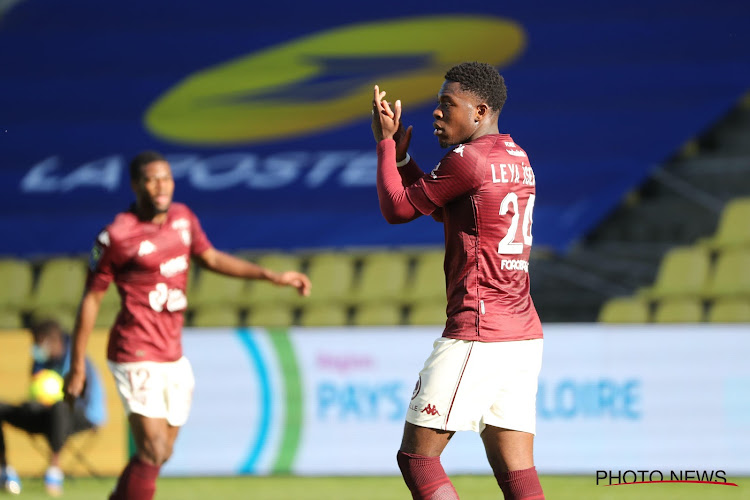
x: 263, y: 109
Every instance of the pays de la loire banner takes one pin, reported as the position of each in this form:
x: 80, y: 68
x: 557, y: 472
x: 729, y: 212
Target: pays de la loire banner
x: 305, y: 400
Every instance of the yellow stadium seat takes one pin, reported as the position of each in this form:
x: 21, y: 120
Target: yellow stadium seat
x: 679, y: 310
x: 210, y: 288
x: 324, y: 315
x: 624, y: 310
x: 107, y: 316
x: 428, y: 313
x: 683, y: 272
x: 734, y: 226
x: 731, y: 276
x: 428, y: 282
x: 10, y: 319
x: 259, y: 292
x: 60, y: 284
x: 216, y: 316
x: 331, y: 275
x: 383, y: 277
x: 111, y: 299
x: 377, y: 314
x: 16, y: 277
x: 730, y: 311
x: 271, y: 316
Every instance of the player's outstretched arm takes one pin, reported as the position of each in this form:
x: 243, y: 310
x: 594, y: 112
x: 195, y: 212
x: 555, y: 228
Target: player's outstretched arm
x: 227, y: 264
x: 75, y: 379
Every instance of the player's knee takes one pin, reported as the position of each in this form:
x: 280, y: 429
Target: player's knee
x: 155, y: 450
x: 168, y: 452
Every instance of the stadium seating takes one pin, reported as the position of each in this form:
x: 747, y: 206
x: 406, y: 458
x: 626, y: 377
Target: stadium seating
x: 679, y: 310
x: 271, y: 315
x: 734, y: 226
x: 332, y: 275
x: 428, y: 283
x: 383, y: 277
x: 216, y: 316
x: 111, y: 299
x: 106, y: 317
x: 263, y: 292
x: 427, y: 313
x: 731, y: 275
x: 65, y: 315
x: 10, y: 319
x: 60, y: 284
x: 683, y: 272
x: 324, y: 315
x: 383, y: 293
x: 731, y: 310
x: 17, y: 279
x: 379, y: 313
x: 624, y: 310
x: 210, y: 289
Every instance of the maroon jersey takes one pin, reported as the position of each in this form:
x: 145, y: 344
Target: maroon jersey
x: 483, y: 191
x: 149, y: 263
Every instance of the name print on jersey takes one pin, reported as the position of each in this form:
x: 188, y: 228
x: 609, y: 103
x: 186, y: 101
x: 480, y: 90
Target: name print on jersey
x: 511, y: 172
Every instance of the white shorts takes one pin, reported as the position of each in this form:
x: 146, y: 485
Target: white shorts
x: 156, y: 389
x: 466, y: 385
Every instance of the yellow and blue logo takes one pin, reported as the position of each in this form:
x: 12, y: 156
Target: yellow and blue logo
x: 323, y: 81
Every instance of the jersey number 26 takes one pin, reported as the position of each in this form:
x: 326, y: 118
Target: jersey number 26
x: 508, y: 245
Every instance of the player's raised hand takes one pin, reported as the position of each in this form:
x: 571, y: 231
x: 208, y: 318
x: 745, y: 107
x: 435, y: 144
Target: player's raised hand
x: 402, y: 138
x: 296, y: 279
x: 385, y: 121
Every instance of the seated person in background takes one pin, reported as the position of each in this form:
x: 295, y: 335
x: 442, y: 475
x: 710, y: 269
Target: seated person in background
x: 46, y: 413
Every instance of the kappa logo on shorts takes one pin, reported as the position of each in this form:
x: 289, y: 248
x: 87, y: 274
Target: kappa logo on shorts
x: 430, y: 410
x: 321, y: 78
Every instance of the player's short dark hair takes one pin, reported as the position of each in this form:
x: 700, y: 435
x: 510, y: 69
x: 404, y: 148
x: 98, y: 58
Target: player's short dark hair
x: 481, y: 79
x: 45, y: 327
x: 141, y: 160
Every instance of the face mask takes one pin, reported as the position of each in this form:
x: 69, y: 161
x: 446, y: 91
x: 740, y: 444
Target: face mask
x: 39, y: 353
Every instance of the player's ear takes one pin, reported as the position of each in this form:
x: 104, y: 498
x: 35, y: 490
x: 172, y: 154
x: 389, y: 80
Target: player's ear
x: 481, y: 112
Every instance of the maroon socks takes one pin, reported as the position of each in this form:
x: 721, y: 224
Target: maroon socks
x: 137, y: 481
x: 425, y: 477
x: 521, y: 485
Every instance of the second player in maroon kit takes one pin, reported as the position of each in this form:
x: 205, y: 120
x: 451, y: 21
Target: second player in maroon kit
x: 146, y: 251
x: 482, y: 374
x: 149, y: 264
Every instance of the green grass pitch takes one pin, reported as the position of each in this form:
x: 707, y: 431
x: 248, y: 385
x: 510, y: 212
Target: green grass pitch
x: 382, y: 488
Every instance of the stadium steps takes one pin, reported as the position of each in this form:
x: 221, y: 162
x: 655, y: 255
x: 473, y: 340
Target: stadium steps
x: 681, y: 204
